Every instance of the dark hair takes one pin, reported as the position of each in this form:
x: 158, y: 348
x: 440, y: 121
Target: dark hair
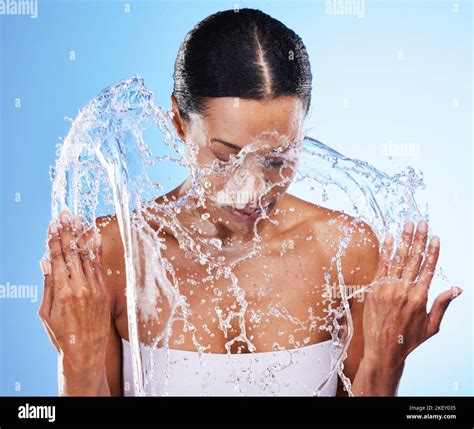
x: 240, y: 53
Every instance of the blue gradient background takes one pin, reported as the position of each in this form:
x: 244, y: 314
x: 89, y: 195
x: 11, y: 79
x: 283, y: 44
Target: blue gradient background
x: 401, y: 74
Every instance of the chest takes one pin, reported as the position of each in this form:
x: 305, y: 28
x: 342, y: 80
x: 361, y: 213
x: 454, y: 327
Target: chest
x: 270, y: 302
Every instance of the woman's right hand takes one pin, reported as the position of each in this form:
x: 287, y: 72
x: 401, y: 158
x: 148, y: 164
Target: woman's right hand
x: 75, y: 306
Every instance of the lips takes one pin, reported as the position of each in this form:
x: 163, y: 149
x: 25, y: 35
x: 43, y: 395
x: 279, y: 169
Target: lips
x: 248, y: 212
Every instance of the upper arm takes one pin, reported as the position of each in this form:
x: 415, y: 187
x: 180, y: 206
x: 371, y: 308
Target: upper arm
x: 359, y: 266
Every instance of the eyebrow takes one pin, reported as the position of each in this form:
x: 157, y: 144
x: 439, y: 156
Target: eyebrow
x: 231, y: 145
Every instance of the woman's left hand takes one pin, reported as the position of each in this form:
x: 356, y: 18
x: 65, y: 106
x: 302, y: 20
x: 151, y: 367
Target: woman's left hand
x: 395, y: 319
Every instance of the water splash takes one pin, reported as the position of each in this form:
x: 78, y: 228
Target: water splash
x: 105, y: 166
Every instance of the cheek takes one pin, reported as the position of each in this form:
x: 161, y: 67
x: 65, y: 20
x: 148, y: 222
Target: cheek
x: 216, y: 183
x: 210, y: 179
x: 203, y: 157
x: 213, y: 183
x: 280, y: 181
x: 278, y: 190
x: 281, y: 177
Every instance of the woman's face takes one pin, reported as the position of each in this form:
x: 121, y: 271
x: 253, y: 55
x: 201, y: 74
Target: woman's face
x: 246, y: 152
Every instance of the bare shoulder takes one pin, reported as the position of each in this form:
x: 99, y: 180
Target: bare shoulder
x: 112, y: 259
x: 361, y: 257
x: 335, y: 229
x: 111, y: 239
x: 113, y: 275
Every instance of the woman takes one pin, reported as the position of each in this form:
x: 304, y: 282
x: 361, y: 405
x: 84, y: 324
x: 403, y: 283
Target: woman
x: 242, y: 77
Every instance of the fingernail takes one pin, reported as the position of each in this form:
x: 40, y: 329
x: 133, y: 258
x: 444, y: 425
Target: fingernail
x: 409, y: 226
x: 53, y: 228
x: 422, y: 226
x: 64, y: 216
x: 455, y: 292
x: 435, y: 241
x: 45, y: 266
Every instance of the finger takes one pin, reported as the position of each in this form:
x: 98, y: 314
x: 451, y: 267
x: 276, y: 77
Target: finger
x: 69, y: 248
x: 99, y: 247
x: 60, y: 272
x: 429, y: 265
x: 439, y: 307
x: 88, y: 264
x: 77, y: 227
x: 97, y: 262
x: 86, y: 239
x: 401, y: 256
x: 410, y: 272
x: 45, y: 307
x: 48, y: 296
x: 384, y: 257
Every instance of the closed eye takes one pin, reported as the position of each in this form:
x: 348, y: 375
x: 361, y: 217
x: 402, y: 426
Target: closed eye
x: 275, y: 163
x: 223, y: 150
x: 224, y: 157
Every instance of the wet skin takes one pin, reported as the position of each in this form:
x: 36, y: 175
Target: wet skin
x: 293, y: 280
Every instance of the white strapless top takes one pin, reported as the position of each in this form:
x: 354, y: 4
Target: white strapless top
x: 294, y: 372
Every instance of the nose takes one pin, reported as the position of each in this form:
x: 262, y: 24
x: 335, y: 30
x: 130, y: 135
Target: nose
x: 253, y: 183
x: 246, y: 186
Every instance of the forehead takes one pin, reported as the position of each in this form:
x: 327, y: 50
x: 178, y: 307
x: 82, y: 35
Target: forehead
x: 241, y: 121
